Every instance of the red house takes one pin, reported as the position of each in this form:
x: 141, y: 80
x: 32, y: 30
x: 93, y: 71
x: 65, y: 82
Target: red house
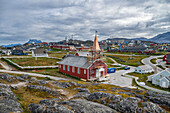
x: 86, y: 67
x: 168, y: 59
x: 164, y: 58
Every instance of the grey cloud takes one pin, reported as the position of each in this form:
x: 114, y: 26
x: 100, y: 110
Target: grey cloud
x: 53, y: 20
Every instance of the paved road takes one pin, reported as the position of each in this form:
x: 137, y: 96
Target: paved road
x: 146, y: 61
x: 33, y: 74
x: 6, y: 66
x: 119, y: 80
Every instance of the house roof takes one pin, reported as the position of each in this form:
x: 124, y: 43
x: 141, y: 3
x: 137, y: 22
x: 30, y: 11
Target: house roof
x: 81, y: 53
x: 164, y: 73
x: 76, y: 61
x: 145, y: 67
x: 168, y: 57
x: 40, y: 51
x: 166, y: 79
x: 96, y: 46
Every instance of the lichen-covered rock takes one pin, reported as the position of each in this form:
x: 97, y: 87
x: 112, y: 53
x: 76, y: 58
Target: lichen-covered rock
x: 99, y: 95
x: 6, y: 77
x: 42, y: 82
x: 42, y: 88
x: 49, y: 102
x: 8, y: 100
x: 20, y: 78
x: 62, y: 84
x: 159, y: 98
x: 77, y: 84
x: 36, y: 108
x: 32, y: 79
x: 150, y: 107
x: 84, y: 106
x: 125, y: 106
x: 82, y: 90
x: 24, y: 76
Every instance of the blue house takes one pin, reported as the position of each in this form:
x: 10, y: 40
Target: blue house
x: 161, y: 79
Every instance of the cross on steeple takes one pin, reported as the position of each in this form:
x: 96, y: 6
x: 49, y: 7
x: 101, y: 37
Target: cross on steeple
x: 96, y: 46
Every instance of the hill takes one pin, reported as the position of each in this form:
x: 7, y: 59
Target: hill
x: 161, y: 38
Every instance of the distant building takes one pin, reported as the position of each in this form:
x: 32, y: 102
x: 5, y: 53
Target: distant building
x: 168, y: 59
x: 82, y: 53
x: 18, y: 52
x: 82, y: 66
x: 149, y: 51
x: 39, y: 53
x: 144, y: 69
x: 161, y: 79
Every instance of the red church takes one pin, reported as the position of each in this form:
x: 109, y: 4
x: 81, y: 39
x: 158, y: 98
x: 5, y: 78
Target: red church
x: 88, y: 67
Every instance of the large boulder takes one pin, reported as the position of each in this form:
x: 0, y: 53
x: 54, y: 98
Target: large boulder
x: 62, y: 84
x: 159, y: 98
x: 150, y: 107
x: 6, y: 77
x: 84, y: 106
x: 8, y: 100
x: 99, y: 95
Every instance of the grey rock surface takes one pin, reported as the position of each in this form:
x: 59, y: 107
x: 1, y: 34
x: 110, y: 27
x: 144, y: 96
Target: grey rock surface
x: 43, y: 88
x: 8, y: 100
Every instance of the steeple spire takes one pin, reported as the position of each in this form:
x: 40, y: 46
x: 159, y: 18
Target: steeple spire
x: 96, y: 46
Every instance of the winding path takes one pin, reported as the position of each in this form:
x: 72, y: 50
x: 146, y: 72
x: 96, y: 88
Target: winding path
x: 33, y: 74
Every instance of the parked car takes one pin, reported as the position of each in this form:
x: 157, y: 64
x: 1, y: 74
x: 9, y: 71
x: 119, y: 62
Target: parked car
x: 126, y: 68
x: 111, y: 70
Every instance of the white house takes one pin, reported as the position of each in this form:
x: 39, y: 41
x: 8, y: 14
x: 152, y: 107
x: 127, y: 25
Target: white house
x: 161, y: 79
x: 144, y: 69
x: 39, y: 53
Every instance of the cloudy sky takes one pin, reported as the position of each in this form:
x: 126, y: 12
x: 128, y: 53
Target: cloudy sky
x: 53, y: 20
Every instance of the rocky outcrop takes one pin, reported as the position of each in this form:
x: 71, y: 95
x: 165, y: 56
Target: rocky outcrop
x: 42, y: 82
x: 68, y: 84
x: 8, y: 100
x: 71, y: 106
x: 10, y: 78
x: 159, y: 98
x: 7, y: 77
x: 150, y: 107
x: 42, y: 88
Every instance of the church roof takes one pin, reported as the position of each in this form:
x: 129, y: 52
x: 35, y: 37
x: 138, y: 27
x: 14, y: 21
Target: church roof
x: 96, y: 46
x: 76, y: 61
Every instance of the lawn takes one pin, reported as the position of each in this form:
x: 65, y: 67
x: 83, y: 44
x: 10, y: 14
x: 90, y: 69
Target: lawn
x: 33, y: 62
x: 153, y: 61
x: 1, y: 67
x: 108, y: 61
x: 144, y: 77
x: 128, y: 60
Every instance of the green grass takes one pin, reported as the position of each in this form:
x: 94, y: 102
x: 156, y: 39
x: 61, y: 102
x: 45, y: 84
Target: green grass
x: 33, y: 62
x: 1, y: 67
x: 135, y: 61
x: 153, y: 61
x: 157, y: 87
x: 108, y: 61
x: 143, y: 78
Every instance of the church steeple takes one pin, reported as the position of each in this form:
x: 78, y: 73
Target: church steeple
x: 96, y: 46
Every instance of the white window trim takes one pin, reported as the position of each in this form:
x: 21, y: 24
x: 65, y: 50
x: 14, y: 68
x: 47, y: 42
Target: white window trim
x: 68, y: 68
x: 84, y: 71
x: 73, y: 69
x: 63, y: 67
x: 78, y: 70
